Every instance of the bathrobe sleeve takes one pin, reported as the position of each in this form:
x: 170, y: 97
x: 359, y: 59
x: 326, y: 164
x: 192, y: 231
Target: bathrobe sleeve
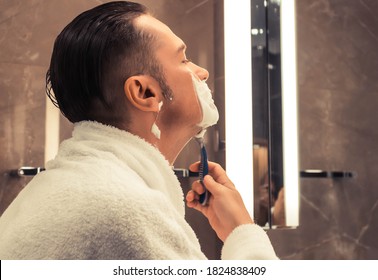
x: 248, y: 242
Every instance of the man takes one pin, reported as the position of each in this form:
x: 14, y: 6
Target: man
x: 122, y: 77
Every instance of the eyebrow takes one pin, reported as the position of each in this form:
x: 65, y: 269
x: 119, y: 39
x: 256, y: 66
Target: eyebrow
x: 181, y: 48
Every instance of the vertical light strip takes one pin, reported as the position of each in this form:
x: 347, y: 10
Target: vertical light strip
x: 238, y: 97
x: 289, y: 112
x: 51, y: 130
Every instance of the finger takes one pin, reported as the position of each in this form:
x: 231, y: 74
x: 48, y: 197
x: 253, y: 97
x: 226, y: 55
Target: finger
x: 194, y: 166
x: 198, y: 187
x: 192, y: 199
x: 191, y: 196
x: 220, y: 175
x: 195, y: 204
x: 215, y: 170
x: 211, y: 185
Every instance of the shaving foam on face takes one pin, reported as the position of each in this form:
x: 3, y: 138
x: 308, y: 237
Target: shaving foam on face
x: 160, y: 105
x: 155, y: 129
x: 210, y: 115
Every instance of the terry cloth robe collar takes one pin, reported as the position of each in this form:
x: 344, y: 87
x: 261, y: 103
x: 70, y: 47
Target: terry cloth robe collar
x: 128, y: 149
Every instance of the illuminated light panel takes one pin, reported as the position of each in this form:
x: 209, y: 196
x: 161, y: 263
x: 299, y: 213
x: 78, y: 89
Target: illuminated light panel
x: 289, y: 112
x: 238, y: 97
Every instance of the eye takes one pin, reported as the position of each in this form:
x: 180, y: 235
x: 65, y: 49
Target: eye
x: 186, y: 61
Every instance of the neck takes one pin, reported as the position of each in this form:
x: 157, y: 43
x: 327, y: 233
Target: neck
x: 170, y: 143
x: 171, y: 146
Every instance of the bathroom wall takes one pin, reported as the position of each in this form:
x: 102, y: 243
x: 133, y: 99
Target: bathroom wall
x: 338, y: 97
x: 27, y: 32
x: 338, y: 100
x: 23, y: 58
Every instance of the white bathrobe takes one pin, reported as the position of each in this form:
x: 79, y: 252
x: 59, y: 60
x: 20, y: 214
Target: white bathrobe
x: 110, y: 195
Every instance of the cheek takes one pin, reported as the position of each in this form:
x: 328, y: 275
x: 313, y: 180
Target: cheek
x: 184, y: 108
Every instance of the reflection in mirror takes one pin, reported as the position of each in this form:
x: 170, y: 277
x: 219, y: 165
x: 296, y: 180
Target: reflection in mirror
x: 261, y: 128
x: 271, y: 134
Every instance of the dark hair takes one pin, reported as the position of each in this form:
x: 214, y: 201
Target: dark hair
x: 92, y: 58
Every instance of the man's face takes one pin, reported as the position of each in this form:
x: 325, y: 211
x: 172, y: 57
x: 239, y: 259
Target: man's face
x: 184, y: 109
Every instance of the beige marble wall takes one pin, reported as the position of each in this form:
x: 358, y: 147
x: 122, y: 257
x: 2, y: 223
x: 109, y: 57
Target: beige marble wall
x: 338, y: 100
x: 27, y: 32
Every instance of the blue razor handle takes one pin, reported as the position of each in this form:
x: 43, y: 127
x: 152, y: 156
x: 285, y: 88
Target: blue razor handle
x: 203, y: 171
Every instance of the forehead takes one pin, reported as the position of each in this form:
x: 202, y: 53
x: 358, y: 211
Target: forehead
x: 163, y: 35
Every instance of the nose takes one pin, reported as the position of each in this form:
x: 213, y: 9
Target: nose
x: 201, y: 73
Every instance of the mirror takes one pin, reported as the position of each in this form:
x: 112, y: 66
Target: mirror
x: 267, y: 113
x: 272, y: 108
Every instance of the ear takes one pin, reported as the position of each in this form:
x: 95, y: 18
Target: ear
x: 143, y: 93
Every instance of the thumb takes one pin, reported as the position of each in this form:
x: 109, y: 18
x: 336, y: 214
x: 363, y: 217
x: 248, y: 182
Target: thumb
x: 211, y: 185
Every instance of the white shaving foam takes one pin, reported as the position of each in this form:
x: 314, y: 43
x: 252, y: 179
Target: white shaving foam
x: 155, y: 129
x: 210, y: 115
